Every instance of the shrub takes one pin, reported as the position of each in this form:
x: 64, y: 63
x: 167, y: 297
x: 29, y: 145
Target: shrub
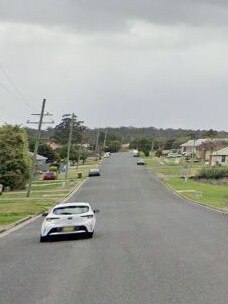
x: 53, y: 169
x: 213, y: 173
x: 13, y: 180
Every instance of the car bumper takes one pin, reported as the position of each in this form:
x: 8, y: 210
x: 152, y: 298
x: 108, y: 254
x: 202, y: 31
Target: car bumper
x: 67, y: 229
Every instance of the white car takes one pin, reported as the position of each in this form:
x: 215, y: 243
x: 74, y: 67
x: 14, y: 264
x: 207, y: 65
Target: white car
x: 107, y: 154
x: 135, y: 153
x: 173, y: 155
x: 68, y: 218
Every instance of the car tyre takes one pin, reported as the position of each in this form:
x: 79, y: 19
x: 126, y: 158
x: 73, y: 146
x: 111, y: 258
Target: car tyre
x: 44, y: 239
x: 89, y: 235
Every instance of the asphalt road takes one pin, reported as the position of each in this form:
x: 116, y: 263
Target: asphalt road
x: 149, y: 247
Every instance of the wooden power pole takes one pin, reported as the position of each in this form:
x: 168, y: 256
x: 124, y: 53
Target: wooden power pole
x: 40, y: 122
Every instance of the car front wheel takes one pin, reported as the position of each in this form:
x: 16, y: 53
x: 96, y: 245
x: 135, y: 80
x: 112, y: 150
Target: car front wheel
x: 89, y: 235
x: 44, y: 239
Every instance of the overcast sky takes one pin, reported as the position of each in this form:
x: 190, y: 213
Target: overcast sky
x: 160, y: 63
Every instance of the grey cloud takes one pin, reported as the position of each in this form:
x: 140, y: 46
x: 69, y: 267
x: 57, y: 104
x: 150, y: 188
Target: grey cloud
x: 108, y: 15
x: 167, y: 59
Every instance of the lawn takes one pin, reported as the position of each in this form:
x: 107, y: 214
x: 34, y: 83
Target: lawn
x: 171, y: 167
x: 15, y: 205
x: 13, y: 211
x: 171, y: 172
x: 209, y: 194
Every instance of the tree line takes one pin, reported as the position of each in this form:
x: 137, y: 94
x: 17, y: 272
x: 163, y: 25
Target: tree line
x: 16, y: 141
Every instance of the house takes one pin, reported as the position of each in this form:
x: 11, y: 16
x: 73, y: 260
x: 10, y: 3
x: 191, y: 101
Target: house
x: 203, y: 148
x: 219, y: 157
x: 191, y: 146
x: 41, y: 161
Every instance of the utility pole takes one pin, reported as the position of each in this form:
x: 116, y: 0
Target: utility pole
x: 33, y: 168
x: 105, y: 138
x: 193, y: 151
x: 69, y: 144
x: 97, y: 141
x: 152, y: 147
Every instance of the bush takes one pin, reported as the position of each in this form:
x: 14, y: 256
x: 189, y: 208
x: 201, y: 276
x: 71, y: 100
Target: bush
x: 213, y: 173
x: 146, y: 152
x: 13, y: 180
x: 53, y: 169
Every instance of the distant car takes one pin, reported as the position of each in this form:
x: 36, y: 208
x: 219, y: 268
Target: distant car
x: 49, y: 176
x: 94, y: 172
x: 141, y: 161
x: 107, y: 154
x: 135, y: 153
x: 187, y: 154
x: 67, y: 219
x: 173, y: 155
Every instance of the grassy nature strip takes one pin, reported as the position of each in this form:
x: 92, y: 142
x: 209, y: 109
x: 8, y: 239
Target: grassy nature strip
x: 169, y: 167
x: 204, y: 193
x: 15, y: 206
x: 208, y: 194
x: 13, y: 212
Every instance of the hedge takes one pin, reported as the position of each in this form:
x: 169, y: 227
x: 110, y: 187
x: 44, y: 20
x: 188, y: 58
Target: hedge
x: 215, y: 173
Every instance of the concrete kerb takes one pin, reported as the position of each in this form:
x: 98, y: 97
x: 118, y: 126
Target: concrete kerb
x: 31, y: 218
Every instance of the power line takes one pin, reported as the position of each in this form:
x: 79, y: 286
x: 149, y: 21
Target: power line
x: 13, y: 84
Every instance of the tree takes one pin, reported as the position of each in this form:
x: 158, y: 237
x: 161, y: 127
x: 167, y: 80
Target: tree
x: 46, y: 151
x: 211, y: 133
x: 14, y: 158
x: 113, y: 146
x: 76, y: 153
x: 62, y: 130
x: 142, y: 144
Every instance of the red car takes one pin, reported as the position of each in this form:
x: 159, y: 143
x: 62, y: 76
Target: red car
x: 49, y: 176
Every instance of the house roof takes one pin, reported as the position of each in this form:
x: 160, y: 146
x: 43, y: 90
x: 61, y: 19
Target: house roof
x: 191, y: 143
x: 38, y: 157
x: 53, y: 145
x: 223, y: 151
x: 200, y: 141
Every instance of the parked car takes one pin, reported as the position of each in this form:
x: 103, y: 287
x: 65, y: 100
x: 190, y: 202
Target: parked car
x: 49, y: 176
x: 173, y: 155
x: 94, y: 172
x: 107, y: 154
x: 67, y: 219
x: 187, y: 154
x: 135, y: 153
x: 141, y: 161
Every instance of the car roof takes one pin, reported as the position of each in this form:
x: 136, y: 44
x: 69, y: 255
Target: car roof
x: 72, y: 204
x: 94, y: 169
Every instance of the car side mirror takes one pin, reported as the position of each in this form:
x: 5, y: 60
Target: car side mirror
x: 45, y: 213
x: 96, y: 210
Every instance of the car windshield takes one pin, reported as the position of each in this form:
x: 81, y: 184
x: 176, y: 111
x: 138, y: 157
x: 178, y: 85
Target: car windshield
x: 71, y: 210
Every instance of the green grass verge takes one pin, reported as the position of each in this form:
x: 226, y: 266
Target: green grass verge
x: 169, y: 167
x: 11, y: 212
x: 208, y: 194
x: 171, y: 172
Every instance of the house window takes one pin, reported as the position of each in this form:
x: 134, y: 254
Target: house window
x: 223, y: 158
